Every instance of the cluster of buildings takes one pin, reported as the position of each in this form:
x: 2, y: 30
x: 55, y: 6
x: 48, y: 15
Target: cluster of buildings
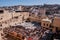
x: 48, y: 16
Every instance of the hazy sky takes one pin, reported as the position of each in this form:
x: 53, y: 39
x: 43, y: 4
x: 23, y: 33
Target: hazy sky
x: 27, y: 2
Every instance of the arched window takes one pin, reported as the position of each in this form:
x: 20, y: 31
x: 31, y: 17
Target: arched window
x: 47, y: 24
x: 44, y: 24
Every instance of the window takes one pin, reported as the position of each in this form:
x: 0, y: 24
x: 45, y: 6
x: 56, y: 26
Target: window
x: 30, y: 15
x: 1, y: 18
x: 48, y: 13
x: 1, y: 11
x: 44, y: 24
x: 47, y: 24
x: 28, y: 20
x: 16, y: 17
x: 17, y: 11
x: 0, y: 25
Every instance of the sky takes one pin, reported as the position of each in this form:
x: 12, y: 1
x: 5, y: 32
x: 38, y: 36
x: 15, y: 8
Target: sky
x: 27, y: 2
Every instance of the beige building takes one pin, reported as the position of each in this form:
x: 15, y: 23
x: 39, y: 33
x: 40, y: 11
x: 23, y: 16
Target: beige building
x: 56, y: 23
x: 45, y: 23
x: 11, y: 18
